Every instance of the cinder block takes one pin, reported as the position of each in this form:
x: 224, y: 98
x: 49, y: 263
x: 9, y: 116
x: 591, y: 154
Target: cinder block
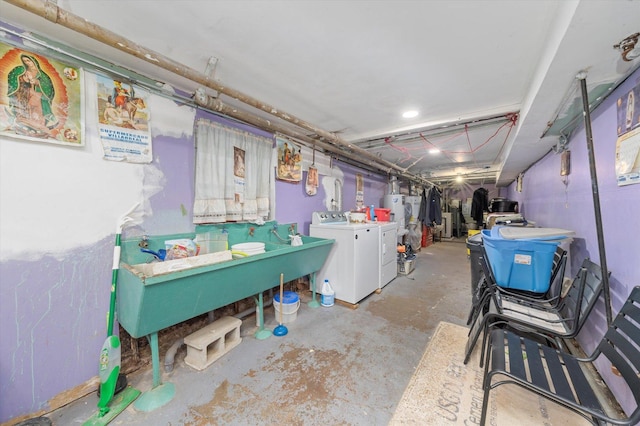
x: 212, y: 341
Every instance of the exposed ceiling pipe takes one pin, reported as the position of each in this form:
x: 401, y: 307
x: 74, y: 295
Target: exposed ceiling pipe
x: 53, y: 13
x: 217, y: 105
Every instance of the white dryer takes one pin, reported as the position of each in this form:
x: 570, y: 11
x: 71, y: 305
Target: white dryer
x: 388, y: 253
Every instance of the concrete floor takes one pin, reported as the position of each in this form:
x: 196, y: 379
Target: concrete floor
x: 336, y: 365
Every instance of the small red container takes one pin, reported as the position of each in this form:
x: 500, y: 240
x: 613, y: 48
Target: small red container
x: 383, y: 215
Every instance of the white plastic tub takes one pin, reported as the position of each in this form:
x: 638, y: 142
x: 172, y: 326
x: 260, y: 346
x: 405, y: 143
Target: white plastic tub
x: 290, y: 306
x: 248, y: 248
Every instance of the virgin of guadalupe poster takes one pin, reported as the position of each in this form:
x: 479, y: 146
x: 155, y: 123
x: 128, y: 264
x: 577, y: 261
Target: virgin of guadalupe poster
x: 289, y: 161
x: 123, y: 121
x: 40, y: 99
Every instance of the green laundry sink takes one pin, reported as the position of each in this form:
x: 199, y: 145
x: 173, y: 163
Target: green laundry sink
x: 147, y: 303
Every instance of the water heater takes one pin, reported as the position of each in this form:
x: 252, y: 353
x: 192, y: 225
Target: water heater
x: 395, y: 202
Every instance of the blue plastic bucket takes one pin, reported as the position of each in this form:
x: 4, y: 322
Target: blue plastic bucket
x: 520, y: 264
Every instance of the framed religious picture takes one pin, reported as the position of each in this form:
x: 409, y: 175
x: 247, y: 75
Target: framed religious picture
x: 238, y: 174
x: 312, y: 181
x: 41, y: 99
x: 123, y: 121
x: 289, y: 161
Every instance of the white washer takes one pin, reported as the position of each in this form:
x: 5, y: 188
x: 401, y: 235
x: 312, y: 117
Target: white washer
x: 349, y: 265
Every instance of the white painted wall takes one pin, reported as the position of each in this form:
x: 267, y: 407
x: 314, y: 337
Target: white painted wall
x: 54, y: 198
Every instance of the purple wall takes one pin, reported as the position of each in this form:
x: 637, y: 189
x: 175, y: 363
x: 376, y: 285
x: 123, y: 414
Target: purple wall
x: 53, y: 325
x: 53, y: 310
x: 293, y: 205
x: 548, y: 201
x: 375, y: 187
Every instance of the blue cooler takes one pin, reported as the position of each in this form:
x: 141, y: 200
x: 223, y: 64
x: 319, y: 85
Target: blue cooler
x: 522, y: 264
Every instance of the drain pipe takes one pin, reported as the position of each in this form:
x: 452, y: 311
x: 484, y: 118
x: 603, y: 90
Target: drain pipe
x: 169, y: 358
x: 171, y: 354
x: 50, y: 11
x: 217, y: 105
x: 249, y: 311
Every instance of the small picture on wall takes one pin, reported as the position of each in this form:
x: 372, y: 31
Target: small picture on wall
x: 628, y: 107
x: 359, y: 191
x: 312, y: 181
x: 628, y: 158
x: 238, y: 162
x: 123, y: 121
x: 40, y: 98
x: 289, y: 161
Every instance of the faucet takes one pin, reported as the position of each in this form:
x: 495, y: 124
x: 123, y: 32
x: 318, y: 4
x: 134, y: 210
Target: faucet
x: 144, y: 242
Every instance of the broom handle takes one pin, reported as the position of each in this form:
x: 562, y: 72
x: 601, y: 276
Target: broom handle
x: 281, y: 295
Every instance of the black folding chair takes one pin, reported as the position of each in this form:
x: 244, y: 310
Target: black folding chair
x: 551, y: 324
x: 550, y: 298
x: 559, y: 376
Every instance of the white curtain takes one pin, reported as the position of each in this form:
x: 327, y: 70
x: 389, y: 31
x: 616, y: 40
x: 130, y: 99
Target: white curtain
x: 221, y: 196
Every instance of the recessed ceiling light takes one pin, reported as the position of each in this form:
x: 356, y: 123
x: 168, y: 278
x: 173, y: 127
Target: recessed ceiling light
x: 410, y: 114
x: 434, y: 151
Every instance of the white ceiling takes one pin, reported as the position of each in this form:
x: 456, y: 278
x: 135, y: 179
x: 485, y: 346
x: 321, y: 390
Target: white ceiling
x: 353, y: 66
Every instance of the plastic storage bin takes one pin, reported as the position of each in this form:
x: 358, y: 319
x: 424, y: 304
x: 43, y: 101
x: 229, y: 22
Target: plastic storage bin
x: 520, y: 264
x: 383, y: 215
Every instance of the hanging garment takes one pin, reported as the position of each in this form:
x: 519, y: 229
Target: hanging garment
x: 434, y: 208
x: 422, y: 216
x: 479, y: 204
x: 430, y: 208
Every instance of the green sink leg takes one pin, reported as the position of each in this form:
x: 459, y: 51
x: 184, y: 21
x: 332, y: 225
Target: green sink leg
x: 313, y: 303
x: 262, y: 333
x: 161, y: 393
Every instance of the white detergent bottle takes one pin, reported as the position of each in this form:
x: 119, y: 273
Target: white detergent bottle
x: 327, y: 295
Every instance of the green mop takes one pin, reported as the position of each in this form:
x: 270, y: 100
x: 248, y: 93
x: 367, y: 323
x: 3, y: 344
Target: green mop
x: 109, y: 367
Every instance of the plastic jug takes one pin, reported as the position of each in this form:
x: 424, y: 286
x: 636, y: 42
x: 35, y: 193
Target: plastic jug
x: 327, y: 295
